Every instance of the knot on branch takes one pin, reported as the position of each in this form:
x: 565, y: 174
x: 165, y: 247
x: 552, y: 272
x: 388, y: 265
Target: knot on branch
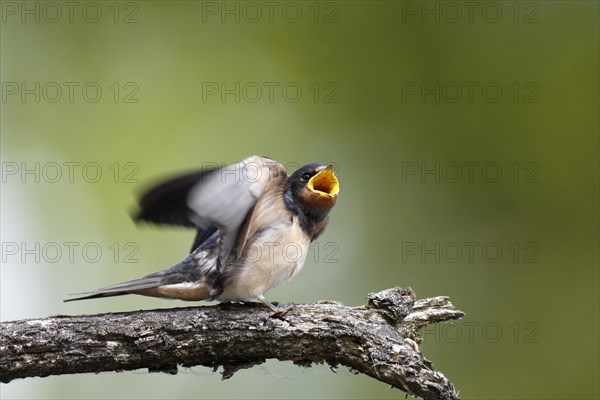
x: 428, y: 311
x: 395, y: 303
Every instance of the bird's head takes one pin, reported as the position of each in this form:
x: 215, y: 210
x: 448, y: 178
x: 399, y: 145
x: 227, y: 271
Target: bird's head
x: 314, y: 188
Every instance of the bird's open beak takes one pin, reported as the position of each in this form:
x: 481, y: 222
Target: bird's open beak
x: 325, y: 182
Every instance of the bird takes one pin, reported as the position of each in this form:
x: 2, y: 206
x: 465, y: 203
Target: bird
x: 254, y: 225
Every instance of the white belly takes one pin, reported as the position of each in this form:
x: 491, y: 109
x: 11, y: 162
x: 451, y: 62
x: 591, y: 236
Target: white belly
x: 273, y: 258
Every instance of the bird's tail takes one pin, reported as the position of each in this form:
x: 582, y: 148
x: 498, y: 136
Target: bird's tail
x: 135, y: 286
x: 185, y: 281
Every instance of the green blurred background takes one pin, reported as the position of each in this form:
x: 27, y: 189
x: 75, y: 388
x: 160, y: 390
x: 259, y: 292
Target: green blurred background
x: 385, y: 95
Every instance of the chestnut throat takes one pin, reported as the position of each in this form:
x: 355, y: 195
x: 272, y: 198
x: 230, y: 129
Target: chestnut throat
x: 313, y: 218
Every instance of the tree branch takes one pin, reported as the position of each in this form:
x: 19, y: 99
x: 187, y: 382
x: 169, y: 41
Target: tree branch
x: 380, y: 340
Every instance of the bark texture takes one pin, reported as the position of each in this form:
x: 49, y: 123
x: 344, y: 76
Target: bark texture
x: 380, y: 339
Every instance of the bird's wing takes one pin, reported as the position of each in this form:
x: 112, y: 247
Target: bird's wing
x: 268, y: 211
x: 218, y: 198
x: 166, y: 202
x: 226, y: 196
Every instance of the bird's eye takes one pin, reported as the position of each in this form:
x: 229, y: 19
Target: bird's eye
x: 306, y: 177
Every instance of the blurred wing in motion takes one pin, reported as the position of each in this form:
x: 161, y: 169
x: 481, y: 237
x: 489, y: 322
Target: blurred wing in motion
x: 210, y: 200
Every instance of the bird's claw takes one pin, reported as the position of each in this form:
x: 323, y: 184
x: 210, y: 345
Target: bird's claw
x: 279, y: 311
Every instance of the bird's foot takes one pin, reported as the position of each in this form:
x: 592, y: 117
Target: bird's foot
x: 281, y: 310
x: 278, y: 310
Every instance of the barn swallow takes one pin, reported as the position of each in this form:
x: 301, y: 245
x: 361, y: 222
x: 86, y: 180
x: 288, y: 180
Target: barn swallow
x: 254, y: 226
